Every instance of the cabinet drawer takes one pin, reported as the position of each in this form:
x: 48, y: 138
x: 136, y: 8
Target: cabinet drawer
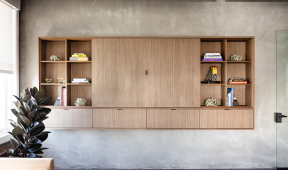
x: 176, y: 119
x: 73, y: 118
x: 226, y: 119
x: 119, y: 118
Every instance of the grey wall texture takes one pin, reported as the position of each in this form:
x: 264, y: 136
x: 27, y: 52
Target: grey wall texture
x: 187, y: 149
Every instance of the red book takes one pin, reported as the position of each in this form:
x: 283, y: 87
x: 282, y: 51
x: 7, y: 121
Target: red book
x: 238, y: 82
x: 63, y: 96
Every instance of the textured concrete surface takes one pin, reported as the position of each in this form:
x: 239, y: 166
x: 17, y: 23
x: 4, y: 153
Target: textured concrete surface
x: 168, y: 149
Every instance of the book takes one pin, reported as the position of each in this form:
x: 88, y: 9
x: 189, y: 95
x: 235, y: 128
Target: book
x: 237, y: 82
x: 77, y: 82
x: 212, y: 54
x: 61, y: 96
x: 212, y: 59
x: 230, y: 98
x: 84, y: 55
x: 78, y: 59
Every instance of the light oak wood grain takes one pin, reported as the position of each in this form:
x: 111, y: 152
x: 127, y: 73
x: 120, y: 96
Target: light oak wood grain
x: 49, y: 48
x: 119, y: 119
x: 226, y: 119
x: 174, y: 119
x: 79, y: 118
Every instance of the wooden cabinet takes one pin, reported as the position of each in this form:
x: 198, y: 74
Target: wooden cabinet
x: 172, y: 119
x: 71, y: 118
x: 231, y: 119
x: 119, y: 118
x: 146, y: 72
x: 173, y: 73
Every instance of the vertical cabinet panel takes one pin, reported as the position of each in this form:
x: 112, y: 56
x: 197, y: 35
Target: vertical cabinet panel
x: 173, y: 73
x: 117, y: 71
x: 167, y: 118
x: 122, y: 119
x: 226, y: 119
x: 72, y: 118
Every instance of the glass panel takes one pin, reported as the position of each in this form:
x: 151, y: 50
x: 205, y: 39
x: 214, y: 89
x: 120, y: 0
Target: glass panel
x: 282, y: 97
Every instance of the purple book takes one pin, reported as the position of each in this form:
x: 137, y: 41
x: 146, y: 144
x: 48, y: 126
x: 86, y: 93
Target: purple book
x: 212, y: 59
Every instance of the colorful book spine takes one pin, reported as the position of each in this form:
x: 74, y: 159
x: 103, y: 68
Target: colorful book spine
x: 230, y: 97
x: 238, y: 82
x: 212, y: 59
x: 78, y: 59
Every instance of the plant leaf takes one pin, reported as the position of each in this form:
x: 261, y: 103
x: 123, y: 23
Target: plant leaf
x: 42, y: 137
x: 44, y: 100
x: 34, y: 147
x: 13, y: 123
x: 37, y: 129
x: 31, y: 114
x: 14, y: 112
x: 14, y: 143
x: 20, y: 100
x: 39, y: 116
x: 22, y: 110
x: 17, y: 131
x: 26, y: 107
x: 35, y: 89
x: 24, y: 120
x: 32, y: 155
x: 16, y: 106
x: 42, y: 119
x: 39, y: 94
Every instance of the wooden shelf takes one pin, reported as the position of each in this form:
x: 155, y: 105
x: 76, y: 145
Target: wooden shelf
x: 238, y: 62
x: 79, y: 61
x: 213, y: 61
x: 228, y: 107
x: 239, y: 84
x: 52, y: 84
x: 53, y: 61
x: 212, y: 84
x: 80, y: 84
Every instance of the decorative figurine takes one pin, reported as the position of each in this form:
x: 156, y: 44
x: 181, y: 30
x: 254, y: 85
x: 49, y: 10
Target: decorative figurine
x: 58, y: 102
x: 60, y: 79
x: 55, y: 58
x: 79, y: 102
x: 212, y: 76
x: 211, y: 102
x: 236, y: 57
x: 48, y: 80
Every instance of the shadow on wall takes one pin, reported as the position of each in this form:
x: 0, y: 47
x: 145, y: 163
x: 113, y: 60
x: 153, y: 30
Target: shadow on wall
x: 256, y: 0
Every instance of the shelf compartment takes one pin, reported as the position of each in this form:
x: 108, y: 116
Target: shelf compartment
x: 240, y: 70
x: 213, y: 46
x: 51, y: 91
x: 74, y: 92
x: 217, y: 92
x: 205, y: 68
x: 52, y: 84
x: 79, y: 46
x: 53, y: 70
x: 51, y: 47
x: 243, y: 94
x: 240, y: 47
x: 78, y: 70
x: 80, y: 84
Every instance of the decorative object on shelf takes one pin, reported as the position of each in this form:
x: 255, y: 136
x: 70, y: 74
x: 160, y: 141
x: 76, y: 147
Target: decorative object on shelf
x: 212, y: 76
x: 79, y: 102
x: 211, y: 102
x: 237, y: 81
x: 212, y: 57
x: 235, y: 102
x: 80, y: 80
x: 78, y: 57
x: 28, y: 131
x: 230, y: 96
x: 236, y: 57
x: 60, y: 79
x: 55, y: 58
x: 58, y: 102
x: 48, y: 80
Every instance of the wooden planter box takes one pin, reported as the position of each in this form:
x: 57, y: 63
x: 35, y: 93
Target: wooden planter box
x: 27, y: 163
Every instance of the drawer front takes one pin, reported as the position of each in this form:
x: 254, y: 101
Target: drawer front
x: 227, y: 119
x: 119, y: 119
x: 72, y: 118
x: 176, y: 119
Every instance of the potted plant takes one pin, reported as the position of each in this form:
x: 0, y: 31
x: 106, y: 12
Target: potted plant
x: 28, y: 131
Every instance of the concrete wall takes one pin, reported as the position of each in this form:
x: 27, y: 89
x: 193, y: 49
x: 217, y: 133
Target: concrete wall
x: 161, y: 149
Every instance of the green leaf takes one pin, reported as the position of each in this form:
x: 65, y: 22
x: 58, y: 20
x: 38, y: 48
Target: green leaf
x: 42, y: 119
x: 16, y: 106
x: 44, y: 100
x: 23, y: 119
x: 31, y: 114
x: 39, y: 116
x: 14, y: 112
x: 13, y: 123
x: 26, y: 107
x: 39, y: 94
x: 35, y: 89
x: 37, y: 129
x: 23, y: 111
x: 14, y: 143
x: 17, y: 131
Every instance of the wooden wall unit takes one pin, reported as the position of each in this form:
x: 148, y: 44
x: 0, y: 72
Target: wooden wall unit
x: 154, y: 82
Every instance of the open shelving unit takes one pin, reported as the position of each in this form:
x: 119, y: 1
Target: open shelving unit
x: 228, y: 69
x: 65, y: 68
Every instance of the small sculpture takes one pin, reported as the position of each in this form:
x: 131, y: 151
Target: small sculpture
x: 79, y: 102
x: 48, y: 80
x: 55, y: 58
x: 236, y: 57
x: 212, y: 75
x: 60, y: 79
x: 211, y: 102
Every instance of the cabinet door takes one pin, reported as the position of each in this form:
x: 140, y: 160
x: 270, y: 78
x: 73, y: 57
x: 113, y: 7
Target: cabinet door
x: 72, y: 118
x: 118, y: 72
x: 226, y: 119
x: 167, y: 118
x: 173, y: 78
x: 119, y: 118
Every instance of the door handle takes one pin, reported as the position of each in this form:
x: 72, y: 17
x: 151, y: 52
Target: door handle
x: 278, y: 117
x: 146, y: 72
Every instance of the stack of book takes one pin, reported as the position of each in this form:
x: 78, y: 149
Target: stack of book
x: 212, y: 57
x: 63, y: 101
x: 237, y: 81
x: 80, y: 80
x: 79, y: 57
